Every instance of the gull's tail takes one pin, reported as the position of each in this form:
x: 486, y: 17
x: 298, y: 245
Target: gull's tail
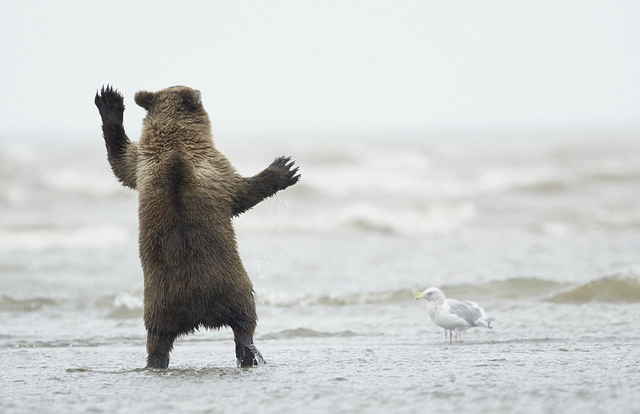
x: 484, y: 323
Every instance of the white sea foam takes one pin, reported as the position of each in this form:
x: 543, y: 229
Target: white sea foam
x: 541, y: 178
x: 100, y: 236
x: 87, y: 182
x: 365, y: 216
x: 619, y: 219
x: 397, y: 174
x: 126, y: 306
x: 433, y: 219
x: 127, y: 300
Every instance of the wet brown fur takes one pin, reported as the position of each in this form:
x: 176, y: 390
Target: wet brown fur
x: 189, y: 193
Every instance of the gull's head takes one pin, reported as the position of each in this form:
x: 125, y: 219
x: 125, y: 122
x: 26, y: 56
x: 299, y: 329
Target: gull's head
x: 433, y: 294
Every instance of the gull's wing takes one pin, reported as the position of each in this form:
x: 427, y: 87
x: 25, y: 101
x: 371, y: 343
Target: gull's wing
x: 469, y: 311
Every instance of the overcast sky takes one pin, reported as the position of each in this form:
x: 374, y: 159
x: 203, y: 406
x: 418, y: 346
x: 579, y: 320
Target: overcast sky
x: 325, y: 67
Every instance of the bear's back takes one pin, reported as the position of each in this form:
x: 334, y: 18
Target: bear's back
x: 185, y: 213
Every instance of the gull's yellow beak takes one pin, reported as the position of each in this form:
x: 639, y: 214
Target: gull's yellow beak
x: 419, y: 295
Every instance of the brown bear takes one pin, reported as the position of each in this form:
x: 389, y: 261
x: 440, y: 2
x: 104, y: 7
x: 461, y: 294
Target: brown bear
x: 188, y: 194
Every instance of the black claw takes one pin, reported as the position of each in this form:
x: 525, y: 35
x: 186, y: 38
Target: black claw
x: 281, y: 161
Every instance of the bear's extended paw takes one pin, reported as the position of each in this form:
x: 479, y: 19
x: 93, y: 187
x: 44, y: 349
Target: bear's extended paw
x: 287, y: 175
x: 110, y: 104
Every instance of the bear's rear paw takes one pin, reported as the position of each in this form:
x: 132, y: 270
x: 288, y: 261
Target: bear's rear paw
x: 288, y: 176
x: 250, y: 357
x: 110, y: 104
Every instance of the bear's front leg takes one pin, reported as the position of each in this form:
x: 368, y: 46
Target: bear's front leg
x: 110, y: 104
x: 277, y: 176
x: 122, y: 153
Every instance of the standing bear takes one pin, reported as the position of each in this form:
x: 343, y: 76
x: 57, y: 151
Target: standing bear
x: 188, y: 194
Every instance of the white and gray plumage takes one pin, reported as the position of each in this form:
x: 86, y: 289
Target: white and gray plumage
x: 451, y: 314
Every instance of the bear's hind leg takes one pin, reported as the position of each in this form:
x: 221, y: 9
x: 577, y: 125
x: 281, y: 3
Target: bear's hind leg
x: 247, y: 354
x: 159, y: 346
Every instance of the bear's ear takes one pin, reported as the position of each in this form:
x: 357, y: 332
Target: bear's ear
x: 144, y: 99
x: 191, y: 99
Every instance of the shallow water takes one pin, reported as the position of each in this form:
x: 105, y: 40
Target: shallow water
x: 544, y: 234
x: 335, y: 375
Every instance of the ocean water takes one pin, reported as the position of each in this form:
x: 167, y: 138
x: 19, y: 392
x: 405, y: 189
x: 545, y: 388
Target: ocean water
x: 543, y: 232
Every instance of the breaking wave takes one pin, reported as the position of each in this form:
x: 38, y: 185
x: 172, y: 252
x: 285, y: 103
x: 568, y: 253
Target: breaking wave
x: 359, y: 298
x: 618, y: 288
x: 513, y: 288
x: 436, y: 218
x: 614, y: 289
x: 49, y: 237
x: 9, y: 304
x: 124, y: 306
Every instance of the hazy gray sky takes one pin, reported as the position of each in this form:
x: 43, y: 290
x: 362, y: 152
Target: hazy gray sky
x: 327, y: 67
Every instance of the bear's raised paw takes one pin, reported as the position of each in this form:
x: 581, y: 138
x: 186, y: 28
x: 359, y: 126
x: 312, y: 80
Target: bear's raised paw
x: 110, y: 104
x: 288, y: 176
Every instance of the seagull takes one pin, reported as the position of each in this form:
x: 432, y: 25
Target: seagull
x: 451, y: 314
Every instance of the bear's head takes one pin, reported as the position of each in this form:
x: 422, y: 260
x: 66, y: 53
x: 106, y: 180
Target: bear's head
x: 174, y: 114
x: 171, y: 102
